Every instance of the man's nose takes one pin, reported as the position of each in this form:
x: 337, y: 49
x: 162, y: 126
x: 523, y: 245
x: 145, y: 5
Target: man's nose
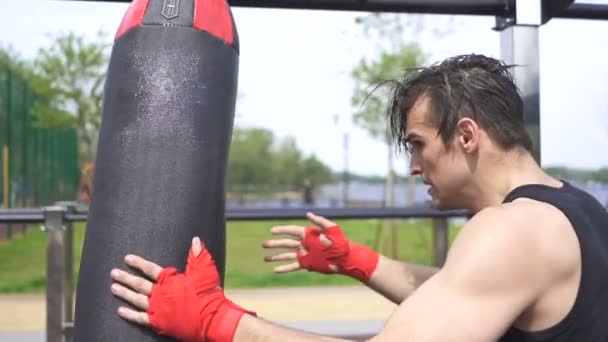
x: 415, y: 167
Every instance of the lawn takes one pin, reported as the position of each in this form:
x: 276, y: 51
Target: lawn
x: 23, y: 259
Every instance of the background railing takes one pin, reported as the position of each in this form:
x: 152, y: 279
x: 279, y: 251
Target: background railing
x: 57, y: 222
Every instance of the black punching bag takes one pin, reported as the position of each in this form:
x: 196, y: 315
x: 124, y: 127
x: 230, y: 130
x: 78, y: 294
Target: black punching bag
x: 168, y: 112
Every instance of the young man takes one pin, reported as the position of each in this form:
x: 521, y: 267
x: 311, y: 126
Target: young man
x: 530, y: 265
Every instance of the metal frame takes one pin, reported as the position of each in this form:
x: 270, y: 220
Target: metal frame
x: 519, y: 46
x: 495, y: 8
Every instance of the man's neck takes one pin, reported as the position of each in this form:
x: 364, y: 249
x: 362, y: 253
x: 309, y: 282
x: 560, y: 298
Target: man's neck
x: 501, y: 175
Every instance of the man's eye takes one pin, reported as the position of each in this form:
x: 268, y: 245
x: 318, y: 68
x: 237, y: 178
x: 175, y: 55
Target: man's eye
x: 413, y: 145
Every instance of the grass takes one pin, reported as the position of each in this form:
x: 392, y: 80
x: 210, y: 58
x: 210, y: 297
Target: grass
x: 23, y: 259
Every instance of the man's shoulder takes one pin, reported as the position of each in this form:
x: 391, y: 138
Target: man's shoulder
x: 507, y: 229
x: 523, y: 218
x: 524, y: 236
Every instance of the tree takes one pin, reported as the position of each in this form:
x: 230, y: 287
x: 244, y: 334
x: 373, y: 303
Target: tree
x: 69, y: 76
x: 287, y: 160
x: 250, y: 158
x: 313, y: 170
x: 397, y: 54
x: 395, y: 38
x: 257, y: 158
x: 13, y: 61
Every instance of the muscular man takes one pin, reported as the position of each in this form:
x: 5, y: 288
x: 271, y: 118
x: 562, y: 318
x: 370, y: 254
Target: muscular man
x: 530, y: 265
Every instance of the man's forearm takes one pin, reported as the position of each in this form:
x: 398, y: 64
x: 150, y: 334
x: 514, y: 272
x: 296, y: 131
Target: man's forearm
x: 253, y: 329
x: 396, y: 280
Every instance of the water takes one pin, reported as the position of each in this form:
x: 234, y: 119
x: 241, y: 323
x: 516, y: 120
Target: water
x: 372, y: 195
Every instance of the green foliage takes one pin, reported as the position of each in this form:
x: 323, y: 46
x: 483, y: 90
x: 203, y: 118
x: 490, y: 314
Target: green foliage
x: 13, y: 61
x: 22, y: 260
x: 560, y: 172
x: 250, y: 156
x: 600, y: 175
x: 258, y: 158
x: 396, y: 50
x: 371, y: 75
x: 69, y: 76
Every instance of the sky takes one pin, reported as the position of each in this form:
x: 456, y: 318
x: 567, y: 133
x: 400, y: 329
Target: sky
x: 294, y: 74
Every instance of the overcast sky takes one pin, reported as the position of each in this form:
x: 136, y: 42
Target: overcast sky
x: 295, y: 65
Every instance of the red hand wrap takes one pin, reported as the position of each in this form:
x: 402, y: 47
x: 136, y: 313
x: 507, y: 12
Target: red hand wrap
x: 171, y: 297
x: 348, y: 258
x: 191, y: 306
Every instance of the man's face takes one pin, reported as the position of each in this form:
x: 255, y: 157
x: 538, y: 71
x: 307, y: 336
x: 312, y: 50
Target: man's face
x: 444, y: 169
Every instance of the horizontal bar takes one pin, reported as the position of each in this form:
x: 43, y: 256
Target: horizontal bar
x: 464, y: 7
x: 341, y: 213
x: 37, y: 215
x: 500, y: 8
x: 22, y: 218
x: 585, y: 11
x: 20, y: 211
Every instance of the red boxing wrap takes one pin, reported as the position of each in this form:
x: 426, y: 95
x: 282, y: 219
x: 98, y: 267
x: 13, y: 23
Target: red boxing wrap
x: 348, y: 258
x: 191, y: 306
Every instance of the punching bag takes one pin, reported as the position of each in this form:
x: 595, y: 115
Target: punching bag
x: 167, y: 120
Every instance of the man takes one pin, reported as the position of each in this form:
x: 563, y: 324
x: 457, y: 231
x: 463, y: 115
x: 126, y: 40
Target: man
x: 530, y: 265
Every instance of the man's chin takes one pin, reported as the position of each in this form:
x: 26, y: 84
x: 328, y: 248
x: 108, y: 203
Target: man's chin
x: 442, y: 205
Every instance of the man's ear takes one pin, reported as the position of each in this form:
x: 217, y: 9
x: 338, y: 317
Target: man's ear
x: 467, y: 132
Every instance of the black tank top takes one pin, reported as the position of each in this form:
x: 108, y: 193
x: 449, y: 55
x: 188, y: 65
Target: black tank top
x: 588, y: 318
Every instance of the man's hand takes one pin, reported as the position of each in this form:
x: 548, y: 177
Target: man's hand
x: 323, y: 248
x: 188, y: 306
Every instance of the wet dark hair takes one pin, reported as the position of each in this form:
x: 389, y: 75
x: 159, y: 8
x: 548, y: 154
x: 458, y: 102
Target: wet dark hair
x: 474, y: 86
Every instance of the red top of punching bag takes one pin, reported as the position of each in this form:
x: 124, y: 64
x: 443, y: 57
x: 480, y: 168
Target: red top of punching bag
x: 212, y: 16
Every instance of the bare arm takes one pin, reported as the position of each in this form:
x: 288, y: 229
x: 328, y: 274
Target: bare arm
x: 485, y: 285
x: 252, y: 329
x: 397, y: 280
x: 394, y: 279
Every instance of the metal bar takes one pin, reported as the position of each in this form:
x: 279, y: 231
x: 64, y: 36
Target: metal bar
x: 585, y: 11
x: 519, y: 46
x: 469, y: 7
x: 68, y: 283
x: 53, y: 227
x: 68, y: 276
x: 36, y: 215
x: 501, y: 8
x: 22, y: 218
x: 341, y: 213
x: 440, y: 240
x: 464, y: 7
x: 21, y: 211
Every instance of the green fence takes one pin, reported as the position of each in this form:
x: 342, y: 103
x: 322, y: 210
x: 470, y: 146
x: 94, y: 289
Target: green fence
x: 39, y: 165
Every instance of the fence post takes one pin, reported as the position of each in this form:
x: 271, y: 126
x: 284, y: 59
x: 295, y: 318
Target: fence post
x: 68, y: 272
x: 440, y: 240
x: 54, y: 226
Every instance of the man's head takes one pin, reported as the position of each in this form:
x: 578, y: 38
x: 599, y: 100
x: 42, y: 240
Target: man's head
x: 454, y: 114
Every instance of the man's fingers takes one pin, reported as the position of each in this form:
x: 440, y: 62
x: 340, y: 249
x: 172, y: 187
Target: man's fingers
x: 282, y: 243
x: 134, y: 316
x: 296, y: 231
x: 320, y: 220
x: 196, y: 246
x: 137, y: 299
x: 287, y: 268
x: 149, y: 268
x: 138, y: 284
x: 281, y: 257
